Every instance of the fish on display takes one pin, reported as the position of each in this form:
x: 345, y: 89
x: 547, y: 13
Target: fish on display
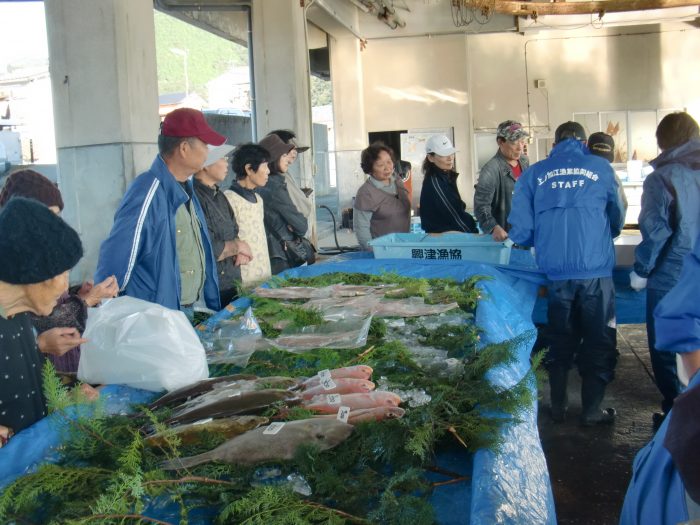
x: 256, y: 446
x: 369, y: 414
x: 192, y: 432
x: 328, y: 405
x: 195, y: 389
x: 356, y: 372
x: 343, y: 385
x: 243, y: 404
x: 410, y: 307
x: 225, y: 390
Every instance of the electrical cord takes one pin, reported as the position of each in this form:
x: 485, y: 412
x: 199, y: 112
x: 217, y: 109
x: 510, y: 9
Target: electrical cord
x: 339, y: 249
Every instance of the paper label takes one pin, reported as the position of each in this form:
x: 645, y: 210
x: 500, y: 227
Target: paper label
x: 324, y: 374
x: 328, y: 384
x: 343, y: 414
x: 273, y: 428
x: 333, y: 399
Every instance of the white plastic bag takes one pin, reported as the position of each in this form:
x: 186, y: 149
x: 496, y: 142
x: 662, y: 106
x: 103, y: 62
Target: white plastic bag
x: 141, y: 344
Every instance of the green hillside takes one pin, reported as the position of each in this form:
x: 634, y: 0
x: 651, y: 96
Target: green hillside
x: 208, y: 55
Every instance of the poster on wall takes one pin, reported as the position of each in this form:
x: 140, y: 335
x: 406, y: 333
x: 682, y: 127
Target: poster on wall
x: 413, y: 150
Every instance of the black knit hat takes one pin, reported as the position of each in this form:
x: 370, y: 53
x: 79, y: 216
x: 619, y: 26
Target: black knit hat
x: 35, y: 243
x: 33, y: 185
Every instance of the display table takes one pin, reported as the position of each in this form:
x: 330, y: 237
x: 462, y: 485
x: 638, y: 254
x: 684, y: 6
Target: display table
x: 508, y: 487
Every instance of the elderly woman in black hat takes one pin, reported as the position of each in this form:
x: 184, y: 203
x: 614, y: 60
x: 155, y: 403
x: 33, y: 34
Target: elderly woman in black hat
x: 285, y: 225
x: 59, y: 334
x: 37, y: 248
x: 299, y: 196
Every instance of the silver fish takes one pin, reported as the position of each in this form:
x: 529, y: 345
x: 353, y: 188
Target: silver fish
x: 256, y: 446
x: 246, y: 403
x: 195, y: 389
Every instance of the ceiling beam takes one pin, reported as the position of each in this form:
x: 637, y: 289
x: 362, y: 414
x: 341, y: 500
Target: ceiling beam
x: 524, y: 8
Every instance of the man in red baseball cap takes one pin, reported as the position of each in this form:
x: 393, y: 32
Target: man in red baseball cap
x: 159, y: 247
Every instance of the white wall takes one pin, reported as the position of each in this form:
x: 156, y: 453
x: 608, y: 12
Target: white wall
x: 420, y: 82
x: 473, y: 82
x: 634, y: 68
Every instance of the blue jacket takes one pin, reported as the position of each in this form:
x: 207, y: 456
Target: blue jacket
x: 656, y: 495
x: 670, y: 216
x: 141, y: 248
x: 568, y: 207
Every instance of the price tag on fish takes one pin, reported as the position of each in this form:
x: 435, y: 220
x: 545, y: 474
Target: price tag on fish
x: 333, y: 399
x: 328, y: 384
x: 343, y: 414
x: 273, y: 428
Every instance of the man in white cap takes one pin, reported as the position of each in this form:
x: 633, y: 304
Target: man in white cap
x: 230, y: 251
x: 494, y: 191
x: 159, y: 246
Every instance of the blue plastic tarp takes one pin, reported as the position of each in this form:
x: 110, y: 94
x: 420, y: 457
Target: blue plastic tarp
x: 512, y: 486
x: 39, y: 443
x: 509, y: 487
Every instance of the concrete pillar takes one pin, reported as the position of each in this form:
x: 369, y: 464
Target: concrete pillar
x: 348, y: 116
x: 105, y: 98
x: 281, y: 70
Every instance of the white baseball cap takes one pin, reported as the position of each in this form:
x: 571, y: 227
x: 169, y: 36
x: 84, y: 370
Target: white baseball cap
x: 439, y: 145
x: 217, y: 152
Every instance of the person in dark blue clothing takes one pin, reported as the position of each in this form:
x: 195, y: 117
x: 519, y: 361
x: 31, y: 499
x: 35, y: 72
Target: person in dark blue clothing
x: 670, y: 224
x: 568, y: 207
x: 441, y: 207
x: 665, y: 485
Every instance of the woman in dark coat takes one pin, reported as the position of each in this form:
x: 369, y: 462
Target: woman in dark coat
x: 284, y: 224
x: 441, y: 207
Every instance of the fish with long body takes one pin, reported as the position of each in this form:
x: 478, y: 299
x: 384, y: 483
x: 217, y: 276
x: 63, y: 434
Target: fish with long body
x: 235, y: 388
x: 262, y: 444
x: 192, y: 432
x: 330, y: 404
x: 355, y: 372
x: 195, y: 389
x: 244, y: 404
x: 343, y: 385
x: 369, y: 414
x: 410, y: 308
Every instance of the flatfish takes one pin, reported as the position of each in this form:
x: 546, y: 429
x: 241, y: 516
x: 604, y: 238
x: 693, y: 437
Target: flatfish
x: 259, y: 445
x: 191, y: 433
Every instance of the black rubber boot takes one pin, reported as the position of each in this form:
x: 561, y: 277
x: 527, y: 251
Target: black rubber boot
x: 592, y: 394
x: 559, y: 400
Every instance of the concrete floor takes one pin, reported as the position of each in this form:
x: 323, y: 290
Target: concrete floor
x: 590, y: 468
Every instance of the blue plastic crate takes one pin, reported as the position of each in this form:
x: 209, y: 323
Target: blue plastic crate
x: 446, y: 247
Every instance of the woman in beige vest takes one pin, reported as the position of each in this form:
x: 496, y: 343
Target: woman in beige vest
x: 250, y: 166
x: 382, y: 204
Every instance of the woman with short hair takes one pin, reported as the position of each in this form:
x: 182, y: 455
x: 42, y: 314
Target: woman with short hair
x: 382, y: 204
x: 250, y: 165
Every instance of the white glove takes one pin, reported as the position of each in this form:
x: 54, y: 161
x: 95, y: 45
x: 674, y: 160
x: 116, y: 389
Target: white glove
x: 636, y: 282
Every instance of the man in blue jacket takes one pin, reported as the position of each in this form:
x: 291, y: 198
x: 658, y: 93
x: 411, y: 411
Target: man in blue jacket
x: 159, y: 247
x: 665, y: 485
x: 670, y: 224
x: 567, y: 206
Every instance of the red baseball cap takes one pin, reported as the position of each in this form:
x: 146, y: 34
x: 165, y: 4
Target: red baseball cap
x: 187, y: 122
